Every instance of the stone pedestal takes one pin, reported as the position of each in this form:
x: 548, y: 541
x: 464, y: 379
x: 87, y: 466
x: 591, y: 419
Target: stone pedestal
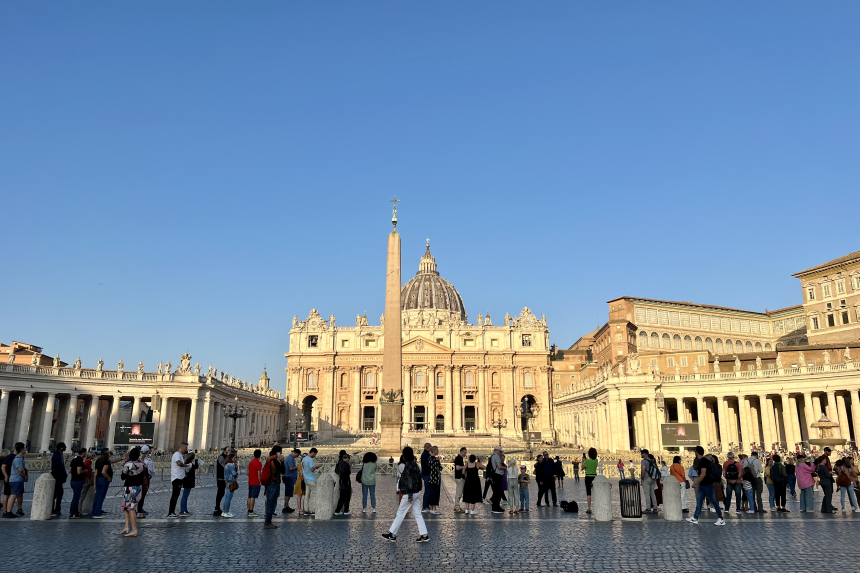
x: 43, y: 498
x: 327, y: 494
x: 672, y: 499
x: 601, y: 499
x: 87, y: 501
x: 390, y: 423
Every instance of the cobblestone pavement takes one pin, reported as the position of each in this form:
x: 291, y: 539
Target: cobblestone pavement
x: 545, y: 539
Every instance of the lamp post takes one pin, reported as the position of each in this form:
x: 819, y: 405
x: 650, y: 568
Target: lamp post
x: 499, y: 424
x: 235, y: 412
x: 528, y: 412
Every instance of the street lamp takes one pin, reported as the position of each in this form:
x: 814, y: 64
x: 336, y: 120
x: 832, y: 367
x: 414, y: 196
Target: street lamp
x: 235, y: 412
x: 499, y: 424
x: 528, y: 412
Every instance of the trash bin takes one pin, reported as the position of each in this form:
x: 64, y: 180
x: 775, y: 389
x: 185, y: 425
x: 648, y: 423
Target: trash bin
x: 631, y: 500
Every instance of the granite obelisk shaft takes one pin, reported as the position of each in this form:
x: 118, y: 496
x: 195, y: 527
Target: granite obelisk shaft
x: 391, y: 415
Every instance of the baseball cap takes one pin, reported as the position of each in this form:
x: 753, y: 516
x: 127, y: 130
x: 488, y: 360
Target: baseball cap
x: 144, y: 449
x: 523, y: 466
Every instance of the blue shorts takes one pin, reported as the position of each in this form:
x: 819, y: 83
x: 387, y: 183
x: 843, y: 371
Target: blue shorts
x: 16, y: 488
x: 253, y: 491
x: 289, y: 486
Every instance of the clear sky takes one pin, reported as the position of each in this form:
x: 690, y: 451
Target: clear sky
x: 187, y: 176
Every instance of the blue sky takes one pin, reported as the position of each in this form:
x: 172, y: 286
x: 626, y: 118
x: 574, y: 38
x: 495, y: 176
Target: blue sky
x: 188, y: 176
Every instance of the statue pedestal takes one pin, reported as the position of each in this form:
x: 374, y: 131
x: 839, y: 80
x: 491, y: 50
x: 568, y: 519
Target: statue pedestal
x: 391, y: 425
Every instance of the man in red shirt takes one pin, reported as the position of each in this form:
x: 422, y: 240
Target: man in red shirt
x: 88, y: 482
x: 733, y: 471
x: 255, y: 467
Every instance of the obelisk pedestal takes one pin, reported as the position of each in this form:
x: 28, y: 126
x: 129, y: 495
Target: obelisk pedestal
x: 391, y: 401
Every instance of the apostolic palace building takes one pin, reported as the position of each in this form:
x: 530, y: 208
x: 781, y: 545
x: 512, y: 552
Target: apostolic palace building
x: 741, y: 378
x: 457, y: 376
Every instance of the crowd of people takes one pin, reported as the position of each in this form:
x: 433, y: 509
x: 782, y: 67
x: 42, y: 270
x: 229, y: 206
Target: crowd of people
x: 418, y: 482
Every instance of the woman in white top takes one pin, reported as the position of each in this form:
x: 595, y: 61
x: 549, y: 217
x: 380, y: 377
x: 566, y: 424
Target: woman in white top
x: 513, y: 486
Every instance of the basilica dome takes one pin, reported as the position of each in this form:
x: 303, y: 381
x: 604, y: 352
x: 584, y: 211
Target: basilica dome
x: 429, y: 291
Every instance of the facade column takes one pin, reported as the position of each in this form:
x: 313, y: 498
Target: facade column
x: 205, y: 423
x: 682, y: 412
x: 701, y: 419
x: 786, y: 421
x: 449, y: 401
x: 809, y: 415
x: 510, y: 384
x: 111, y: 428
x: 4, y: 411
x: 213, y: 440
x: 92, y: 420
x: 431, y: 400
x: 47, y: 419
x: 407, y: 398
x: 457, y: 394
x: 623, y: 425
x: 732, y: 423
x: 192, y: 424
x: 832, y: 414
x: 69, y: 431
x: 480, y: 413
x: 171, y: 409
x: 654, y: 423
x: 843, y: 416
x: 722, y: 413
x: 795, y: 423
x: 766, y: 413
x: 24, y: 422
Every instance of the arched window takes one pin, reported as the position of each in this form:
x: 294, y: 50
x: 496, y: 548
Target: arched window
x: 688, y: 343
x: 730, y: 349
x: 719, y: 345
x: 655, y: 340
x: 495, y: 379
x: 419, y: 379
x: 440, y: 380
x: 768, y: 347
x: 312, y: 380
x: 698, y: 343
x: 758, y: 346
x: 369, y: 380
x: 676, y: 342
x: 470, y: 379
x: 528, y: 382
x: 643, y: 339
x: 709, y: 344
x: 343, y: 381
x: 667, y: 342
x: 749, y: 346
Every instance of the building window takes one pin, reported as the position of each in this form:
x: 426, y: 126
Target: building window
x: 344, y: 343
x: 840, y: 287
x: 830, y: 320
x: 419, y: 379
x: 667, y: 342
x: 313, y: 341
x: 758, y: 346
x: 767, y: 347
x: 826, y: 289
x: 698, y: 343
x: 719, y: 345
x: 701, y: 360
x: 749, y: 347
x: 494, y: 380
x: 528, y: 381
x: 856, y: 281
x: 312, y: 381
x: 815, y: 322
x: 470, y: 379
x: 527, y: 339
x: 369, y: 380
x: 729, y: 348
x: 440, y: 380
x: 468, y: 342
x: 655, y: 340
x: 670, y: 362
x: 683, y: 361
x: 709, y: 344
x: 643, y: 340
x: 494, y: 342
x: 810, y: 293
x: 844, y: 318
x: 688, y: 343
x: 676, y: 342
x: 344, y: 382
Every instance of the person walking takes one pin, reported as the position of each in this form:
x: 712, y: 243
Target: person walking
x: 231, y: 479
x: 825, y: 480
x: 78, y: 475
x: 779, y: 477
x: 709, y: 473
x: 147, y: 480
x: 104, y: 475
x: 220, y: 484
x: 590, y: 467
x: 16, y: 476
x: 275, y: 468
x: 805, y: 470
x: 410, y: 484
x: 344, y: 473
x: 846, y: 479
x: 755, y: 466
x: 177, y: 477
x: 425, y: 475
x: 255, y: 467
x: 291, y: 474
x: 650, y: 474
x: 60, y: 475
x: 472, y: 484
x: 309, y: 471
x: 620, y: 467
x: 732, y: 470
x: 368, y: 481
x: 434, y: 483
x: 676, y: 470
x: 133, y: 473
x: 459, y: 479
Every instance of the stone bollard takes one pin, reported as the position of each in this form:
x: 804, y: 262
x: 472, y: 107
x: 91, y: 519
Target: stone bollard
x: 601, y: 499
x: 43, y: 498
x: 326, y: 496
x: 672, y: 499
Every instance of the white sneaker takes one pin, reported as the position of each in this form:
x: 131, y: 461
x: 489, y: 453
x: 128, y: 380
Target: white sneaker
x: 338, y: 513
x: 373, y: 510
x: 692, y: 520
x: 425, y: 510
x: 347, y: 513
x: 712, y: 510
x: 363, y: 510
x: 228, y: 514
x: 719, y: 522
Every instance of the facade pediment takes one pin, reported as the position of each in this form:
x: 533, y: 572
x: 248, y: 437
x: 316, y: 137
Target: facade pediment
x: 421, y: 344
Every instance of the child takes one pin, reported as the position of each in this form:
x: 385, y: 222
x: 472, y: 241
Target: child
x: 523, y: 480
x: 747, y: 481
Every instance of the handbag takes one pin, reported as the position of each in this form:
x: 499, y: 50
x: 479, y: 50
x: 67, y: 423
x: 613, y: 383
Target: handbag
x: 843, y: 480
x: 686, y: 484
x: 234, y: 485
x: 358, y: 475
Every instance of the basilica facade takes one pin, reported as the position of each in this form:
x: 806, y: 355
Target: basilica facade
x: 458, y: 378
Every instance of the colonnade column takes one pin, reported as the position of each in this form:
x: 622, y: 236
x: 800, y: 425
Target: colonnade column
x: 843, y: 416
x: 767, y: 435
x: 786, y: 421
x: 135, y: 408
x: 855, y: 415
x: 682, y: 411
x: 700, y: 418
x: 744, y: 412
x: 831, y: 407
x: 722, y: 414
x: 69, y: 431
x: 192, y: 424
x: 46, y: 423
x: 206, y: 408
x: 111, y: 429
x: 92, y: 420
x: 24, y: 422
x: 808, y: 414
x: 457, y: 393
x: 795, y: 421
x: 4, y: 410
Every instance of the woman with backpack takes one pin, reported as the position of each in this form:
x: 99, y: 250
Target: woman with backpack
x: 779, y: 477
x: 344, y: 472
x: 409, y: 484
x: 846, y: 478
x: 132, y: 476
x: 367, y: 477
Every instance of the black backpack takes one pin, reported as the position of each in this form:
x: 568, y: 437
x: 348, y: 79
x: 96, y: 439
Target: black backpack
x: 410, y: 479
x: 732, y: 472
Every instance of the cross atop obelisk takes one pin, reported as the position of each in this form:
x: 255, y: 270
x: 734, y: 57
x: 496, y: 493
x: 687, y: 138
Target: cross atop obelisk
x: 391, y: 401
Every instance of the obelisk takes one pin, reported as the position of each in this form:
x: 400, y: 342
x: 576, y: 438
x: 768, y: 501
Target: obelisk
x: 391, y: 401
